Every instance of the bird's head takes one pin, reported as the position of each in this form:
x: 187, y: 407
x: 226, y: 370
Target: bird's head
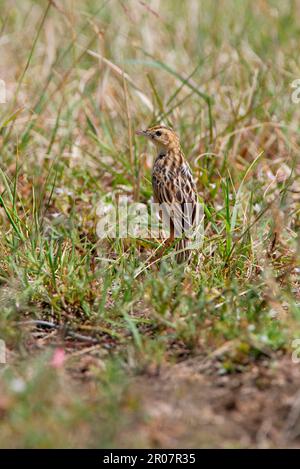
x: 161, y: 136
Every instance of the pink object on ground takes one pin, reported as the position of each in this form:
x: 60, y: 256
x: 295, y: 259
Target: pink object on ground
x: 58, y: 358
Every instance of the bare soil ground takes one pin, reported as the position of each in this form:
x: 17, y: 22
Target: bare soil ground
x: 188, y: 407
x: 193, y: 404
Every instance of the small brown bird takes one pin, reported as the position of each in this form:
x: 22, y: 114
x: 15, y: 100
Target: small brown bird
x: 173, y: 186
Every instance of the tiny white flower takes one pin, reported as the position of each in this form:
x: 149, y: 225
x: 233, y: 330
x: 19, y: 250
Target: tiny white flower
x: 18, y: 385
x: 272, y: 313
x: 264, y: 338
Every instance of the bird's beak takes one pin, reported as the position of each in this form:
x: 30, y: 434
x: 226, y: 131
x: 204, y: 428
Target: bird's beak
x: 142, y: 132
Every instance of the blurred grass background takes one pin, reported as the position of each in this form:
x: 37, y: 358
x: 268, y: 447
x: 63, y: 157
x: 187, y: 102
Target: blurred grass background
x: 80, y: 77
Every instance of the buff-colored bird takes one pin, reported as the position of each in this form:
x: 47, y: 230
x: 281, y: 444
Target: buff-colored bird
x: 173, y: 187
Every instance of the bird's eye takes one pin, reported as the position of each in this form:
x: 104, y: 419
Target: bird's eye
x: 158, y: 133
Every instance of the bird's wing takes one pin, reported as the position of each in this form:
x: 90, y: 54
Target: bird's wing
x: 176, y: 193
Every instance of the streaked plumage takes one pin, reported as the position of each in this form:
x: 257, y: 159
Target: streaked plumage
x: 173, y: 185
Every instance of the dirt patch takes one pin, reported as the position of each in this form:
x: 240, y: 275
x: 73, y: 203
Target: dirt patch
x: 184, y: 407
x: 195, y: 403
